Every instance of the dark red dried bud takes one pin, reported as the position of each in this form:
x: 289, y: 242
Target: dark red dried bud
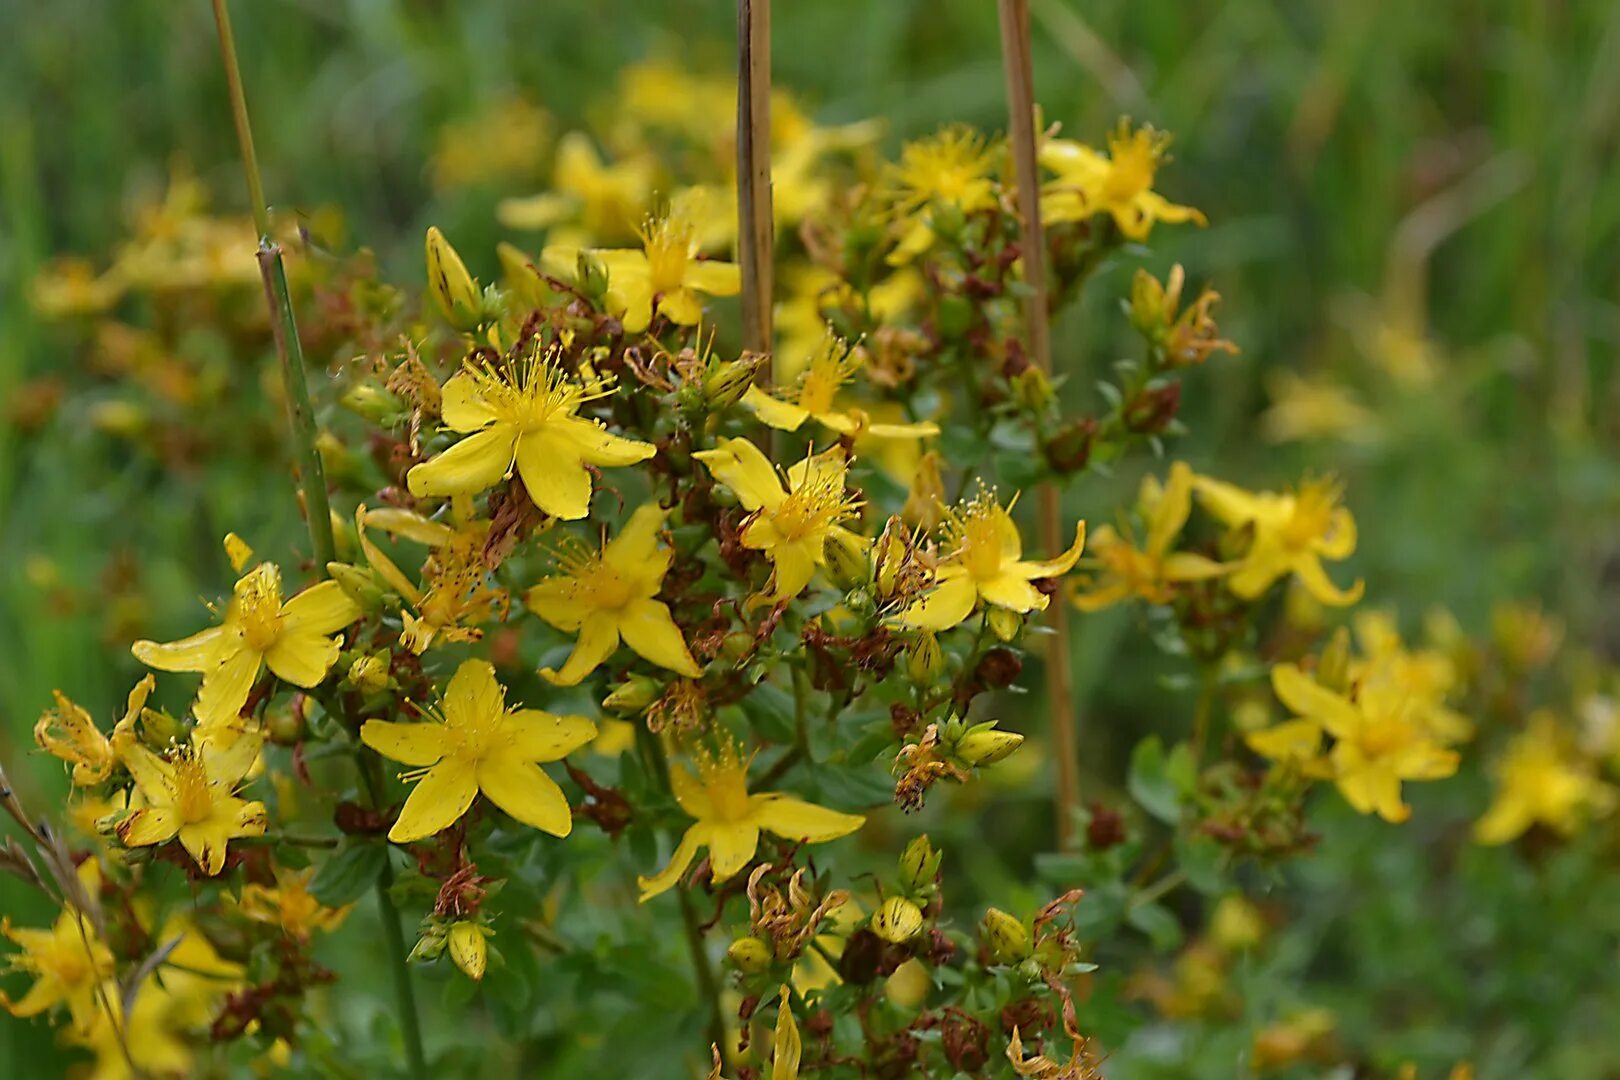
x: 1151, y: 411
x: 964, y: 1040
x: 1069, y: 450
x: 998, y: 669
x: 863, y: 955
x: 1107, y: 828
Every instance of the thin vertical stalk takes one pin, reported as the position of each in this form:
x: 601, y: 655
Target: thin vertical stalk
x: 756, y: 240
x: 312, y: 478
x: 1018, y: 67
x: 283, y: 323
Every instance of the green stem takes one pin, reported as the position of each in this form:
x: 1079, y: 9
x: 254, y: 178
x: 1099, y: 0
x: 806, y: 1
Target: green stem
x: 410, y: 1023
x: 708, y: 984
x: 1202, y: 710
x: 1158, y: 890
x: 283, y: 323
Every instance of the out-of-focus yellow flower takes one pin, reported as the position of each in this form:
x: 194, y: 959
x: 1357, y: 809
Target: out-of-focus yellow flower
x: 1119, y: 183
x: 950, y: 172
x: 504, y: 141
x: 835, y: 362
x: 295, y: 639
x: 190, y: 793
x: 67, y: 962
x: 70, y: 287
x: 1427, y: 676
x: 68, y: 732
x: 612, y: 597
x: 1236, y: 924
x: 665, y: 274
x: 476, y: 743
x: 1152, y: 571
x: 986, y: 564
x: 290, y: 905
x: 1525, y: 635
x: 1292, y: 533
x: 729, y: 819
x: 1302, y: 1036
x: 456, y: 594
x: 1314, y: 408
x: 524, y: 417
x: 591, y: 202
x: 1376, y: 745
x: 790, y: 522
x: 809, y: 291
x: 1542, y: 780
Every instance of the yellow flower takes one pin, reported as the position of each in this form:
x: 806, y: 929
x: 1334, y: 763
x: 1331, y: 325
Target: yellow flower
x: 294, y: 639
x: 810, y: 291
x: 1315, y: 408
x: 456, y: 593
x: 504, y: 141
x: 69, y: 733
x: 986, y: 564
x: 69, y: 286
x: 665, y: 273
x: 601, y: 202
x: 191, y: 793
x: 67, y: 962
x: 1427, y: 676
x: 524, y: 417
x: 1377, y: 745
x: 729, y: 820
x: 1542, y: 780
x: 478, y: 744
x: 790, y: 524
x: 612, y: 596
x: 951, y: 170
x: 1119, y: 184
x: 290, y: 905
x: 1151, y: 571
x: 1292, y: 533
x: 833, y: 364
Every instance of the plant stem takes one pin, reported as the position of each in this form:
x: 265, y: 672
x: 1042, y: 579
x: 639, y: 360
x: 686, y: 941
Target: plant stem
x: 410, y: 1023
x: 1202, y: 709
x: 1019, y: 70
x: 708, y: 985
x: 755, y: 225
x: 283, y: 323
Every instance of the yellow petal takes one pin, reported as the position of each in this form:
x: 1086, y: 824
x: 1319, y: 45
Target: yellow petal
x: 1371, y: 788
x: 1168, y: 517
x: 1339, y: 542
x: 194, y: 653
x: 1013, y: 593
x: 302, y: 658
x: 594, y: 443
x: 225, y: 689
x: 772, y: 412
x: 947, y: 605
x: 731, y: 845
x: 476, y: 463
x: 681, y: 307
x: 462, y: 404
x: 228, y: 755
x: 561, y: 602
x: 1292, y: 740
x: 739, y: 464
x: 693, y: 839
x: 1187, y: 566
x: 523, y: 790
x: 1507, y: 819
x: 537, y: 211
x: 690, y: 794
x: 786, y: 1046
x: 795, y: 564
x: 1051, y: 568
x: 714, y: 278
x: 320, y: 609
x: 554, y: 475
x: 795, y: 819
x: 598, y: 638
x: 437, y: 801
x: 474, y: 696
x: 1102, y: 597
x: 534, y: 735
x: 149, y: 825
x: 409, y: 744
x: 648, y: 628
x: 1311, y: 575
x: 1228, y: 502
x: 1308, y: 698
x: 411, y: 526
x: 637, y: 543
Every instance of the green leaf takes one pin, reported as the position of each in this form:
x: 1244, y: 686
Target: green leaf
x: 346, y: 876
x: 1155, y: 920
x: 1150, y: 781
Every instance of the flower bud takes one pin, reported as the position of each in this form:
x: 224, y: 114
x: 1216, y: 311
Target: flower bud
x: 159, y: 730
x: 889, y: 558
x: 1151, y: 410
x: 1236, y: 924
x: 898, y: 920
x: 984, y: 745
x: 359, y: 585
x: 1005, y: 624
x: 451, y: 285
x: 919, y: 864
x: 1333, y: 669
x: 591, y: 276
x: 1005, y: 938
x: 369, y: 673
x: 1069, y: 450
x: 1032, y: 388
x: 430, y: 946
x: 1148, y: 314
x: 749, y: 955
x: 371, y: 402
x: 633, y: 695
x: 925, y: 504
x: 847, y: 564
x: 468, y: 948
x: 726, y: 384
x: 925, y: 661
x: 285, y: 725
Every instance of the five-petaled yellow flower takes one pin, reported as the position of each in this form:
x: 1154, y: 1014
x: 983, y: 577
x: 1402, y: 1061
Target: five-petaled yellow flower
x: 986, y: 563
x: 789, y: 524
x: 1541, y: 780
x: 294, y: 639
x: 832, y: 365
x: 478, y: 744
x: 1427, y: 676
x: 68, y: 962
x: 588, y: 200
x: 190, y: 793
x: 612, y: 597
x: 729, y: 819
x: 524, y: 416
x: 952, y: 170
x: 1119, y: 183
x: 290, y: 905
x: 665, y: 274
x: 1376, y: 742
x: 1292, y: 533
x: 1151, y: 571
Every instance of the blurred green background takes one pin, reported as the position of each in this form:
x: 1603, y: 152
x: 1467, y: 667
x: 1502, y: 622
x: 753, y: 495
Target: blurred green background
x: 1415, y: 202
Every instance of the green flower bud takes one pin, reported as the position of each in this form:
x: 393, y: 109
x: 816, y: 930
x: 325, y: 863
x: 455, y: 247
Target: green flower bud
x: 372, y: 402
x: 632, y: 695
x: 1006, y: 625
x: 369, y: 674
x: 847, y: 564
x: 727, y: 382
x: 1005, y: 937
x: 984, y: 745
x: 898, y: 920
x: 359, y: 585
x: 919, y: 864
x: 430, y: 946
x: 591, y: 276
x: 451, y: 285
x: 925, y: 661
x: 749, y: 955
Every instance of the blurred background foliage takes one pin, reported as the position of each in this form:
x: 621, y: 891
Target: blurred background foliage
x: 1414, y: 225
